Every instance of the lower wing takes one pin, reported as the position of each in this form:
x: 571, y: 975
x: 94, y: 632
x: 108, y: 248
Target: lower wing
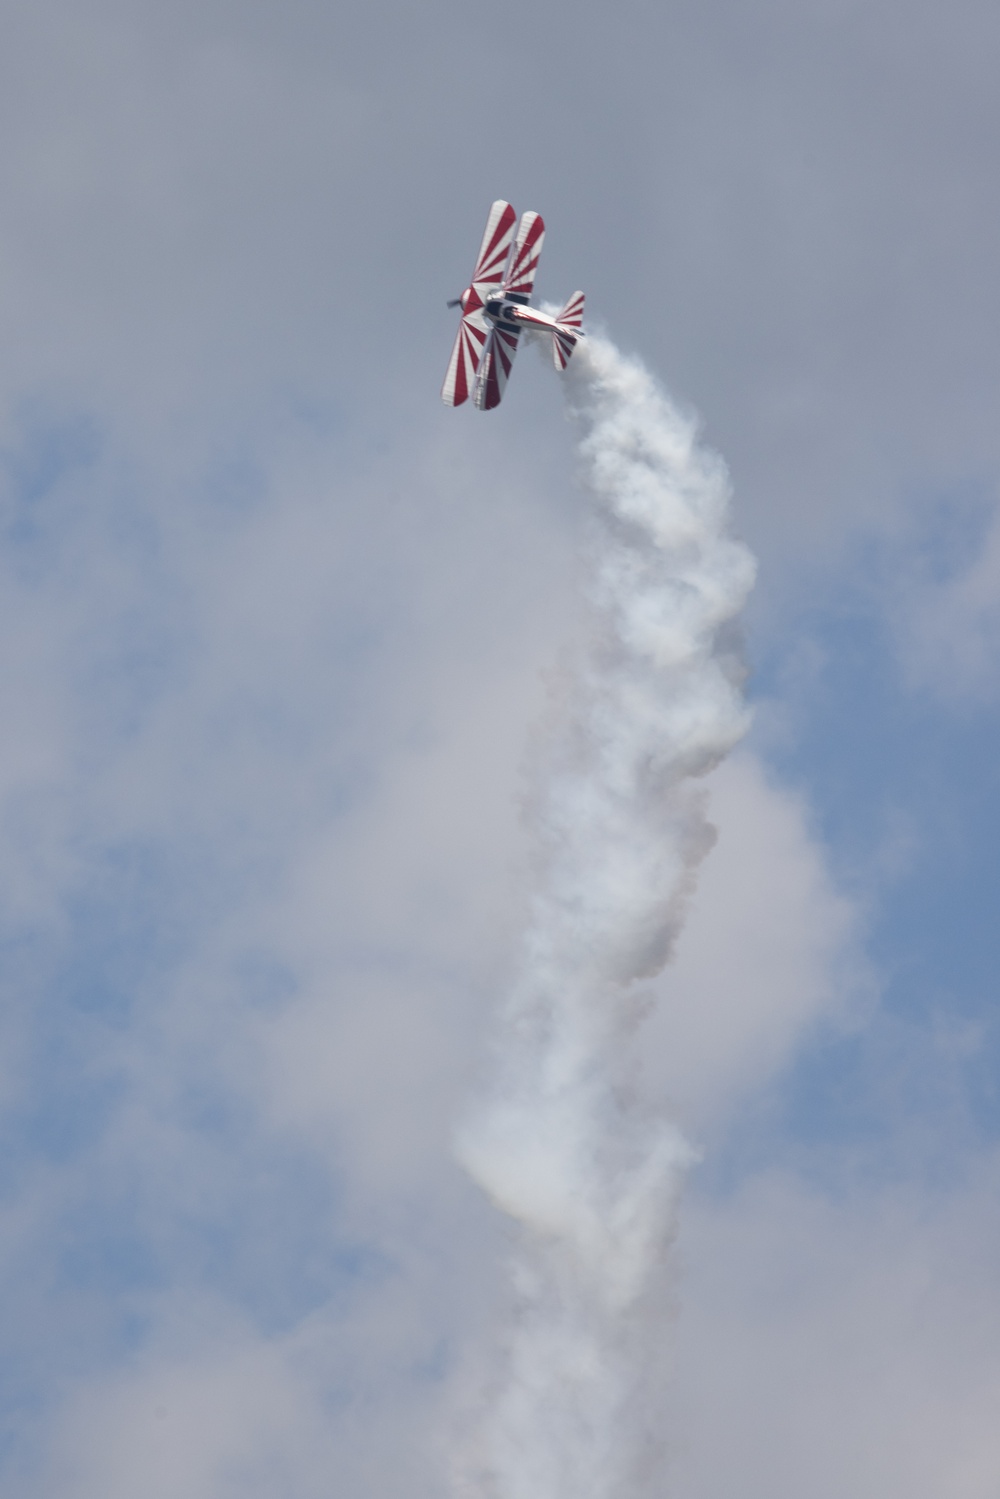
x: 494, y: 367
x: 472, y: 335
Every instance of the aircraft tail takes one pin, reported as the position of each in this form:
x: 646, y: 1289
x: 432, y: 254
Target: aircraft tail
x: 568, y: 329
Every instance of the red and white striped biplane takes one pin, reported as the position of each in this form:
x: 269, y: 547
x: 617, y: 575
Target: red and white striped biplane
x: 495, y: 311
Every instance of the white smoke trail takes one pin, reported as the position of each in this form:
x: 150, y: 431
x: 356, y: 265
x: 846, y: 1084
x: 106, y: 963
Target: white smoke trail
x: 589, y: 1182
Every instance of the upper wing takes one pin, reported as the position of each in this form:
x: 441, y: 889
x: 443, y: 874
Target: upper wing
x: 494, y: 367
x: 520, y: 277
x: 465, y: 355
x: 495, y: 246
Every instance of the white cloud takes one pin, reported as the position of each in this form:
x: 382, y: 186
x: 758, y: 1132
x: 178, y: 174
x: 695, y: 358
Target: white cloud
x: 840, y: 1343
x: 771, y: 950
x: 214, y: 1409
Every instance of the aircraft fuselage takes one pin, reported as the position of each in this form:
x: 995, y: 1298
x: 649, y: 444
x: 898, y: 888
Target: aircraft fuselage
x: 511, y: 311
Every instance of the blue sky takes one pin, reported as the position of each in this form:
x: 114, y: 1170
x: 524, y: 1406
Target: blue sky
x: 276, y: 634
x: 899, y: 773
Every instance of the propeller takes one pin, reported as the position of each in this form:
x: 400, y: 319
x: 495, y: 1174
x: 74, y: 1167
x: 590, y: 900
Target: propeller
x: 457, y: 302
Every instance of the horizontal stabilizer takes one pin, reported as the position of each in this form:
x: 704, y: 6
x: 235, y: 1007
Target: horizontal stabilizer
x: 563, y: 345
x: 568, y: 329
x: 572, y: 313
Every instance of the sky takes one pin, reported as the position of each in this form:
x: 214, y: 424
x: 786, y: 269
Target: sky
x: 280, y: 638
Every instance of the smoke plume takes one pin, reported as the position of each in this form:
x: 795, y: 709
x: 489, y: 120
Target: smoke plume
x: 561, y: 1141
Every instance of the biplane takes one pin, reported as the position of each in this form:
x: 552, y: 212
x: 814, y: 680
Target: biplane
x: 496, y: 310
